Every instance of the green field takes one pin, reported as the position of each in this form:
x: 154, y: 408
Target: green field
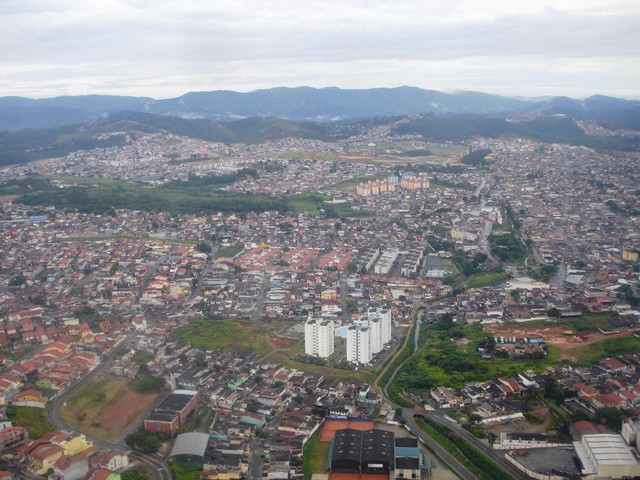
x: 33, y: 419
x: 609, y: 347
x: 449, y: 356
x: 182, y: 472
x: 472, y: 458
x: 229, y: 252
x: 227, y: 335
x: 296, y: 155
x: 585, y: 323
x: 479, y: 280
x: 86, y: 409
x: 314, y: 456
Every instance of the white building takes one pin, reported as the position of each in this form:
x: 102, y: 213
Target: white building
x: 385, y: 262
x: 358, y: 344
x: 607, y: 455
x: 384, y: 316
x: 367, y: 336
x: 319, y: 337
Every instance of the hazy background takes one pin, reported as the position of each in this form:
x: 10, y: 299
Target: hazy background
x: 166, y: 48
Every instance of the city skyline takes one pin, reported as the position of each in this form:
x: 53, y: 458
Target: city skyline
x: 162, y: 49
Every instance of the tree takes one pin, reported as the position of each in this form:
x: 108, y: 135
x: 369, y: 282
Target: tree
x: 445, y: 322
x: 553, y: 312
x: 144, y: 441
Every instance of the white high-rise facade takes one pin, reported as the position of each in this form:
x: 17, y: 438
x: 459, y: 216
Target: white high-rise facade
x: 383, y: 315
x: 367, y: 336
x: 358, y: 344
x: 319, y: 335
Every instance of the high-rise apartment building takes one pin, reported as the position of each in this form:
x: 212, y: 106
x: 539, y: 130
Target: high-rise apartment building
x: 319, y: 337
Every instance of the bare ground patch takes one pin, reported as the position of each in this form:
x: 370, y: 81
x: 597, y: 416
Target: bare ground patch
x: 105, y: 406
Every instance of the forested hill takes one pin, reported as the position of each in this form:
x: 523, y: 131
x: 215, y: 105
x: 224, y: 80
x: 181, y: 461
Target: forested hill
x: 32, y: 144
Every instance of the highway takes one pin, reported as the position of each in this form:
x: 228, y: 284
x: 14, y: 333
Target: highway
x: 438, y: 416
x: 409, y: 416
x: 155, y: 463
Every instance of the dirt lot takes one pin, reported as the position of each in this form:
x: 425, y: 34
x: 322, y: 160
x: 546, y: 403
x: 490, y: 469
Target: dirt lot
x: 553, y: 335
x: 105, y: 406
x: 125, y: 410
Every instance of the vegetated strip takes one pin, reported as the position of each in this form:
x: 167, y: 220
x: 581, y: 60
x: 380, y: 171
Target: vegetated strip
x: 392, y: 390
x: 314, y: 456
x: 462, y: 450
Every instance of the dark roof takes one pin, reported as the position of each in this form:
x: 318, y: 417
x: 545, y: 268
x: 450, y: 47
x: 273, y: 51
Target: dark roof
x: 347, y: 445
x: 377, y: 445
x: 161, y: 417
x: 176, y: 401
x: 412, y: 463
x: 406, y: 442
x: 523, y: 436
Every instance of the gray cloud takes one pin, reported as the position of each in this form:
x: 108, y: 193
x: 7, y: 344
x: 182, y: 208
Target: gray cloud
x: 169, y: 47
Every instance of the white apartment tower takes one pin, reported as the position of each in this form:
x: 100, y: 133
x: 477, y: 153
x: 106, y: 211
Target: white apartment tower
x: 319, y: 337
x: 358, y: 344
x: 383, y: 315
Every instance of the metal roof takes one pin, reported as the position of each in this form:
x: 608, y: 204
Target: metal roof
x: 193, y: 443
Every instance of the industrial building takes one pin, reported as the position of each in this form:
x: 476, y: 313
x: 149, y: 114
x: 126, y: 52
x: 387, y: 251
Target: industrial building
x: 368, y: 452
x: 607, y: 455
x: 190, y: 448
x: 172, y: 412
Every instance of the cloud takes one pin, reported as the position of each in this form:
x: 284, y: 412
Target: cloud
x: 172, y: 47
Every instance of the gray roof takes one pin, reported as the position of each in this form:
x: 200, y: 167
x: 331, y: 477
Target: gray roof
x: 190, y: 444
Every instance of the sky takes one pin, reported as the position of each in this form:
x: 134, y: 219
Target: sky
x: 163, y: 49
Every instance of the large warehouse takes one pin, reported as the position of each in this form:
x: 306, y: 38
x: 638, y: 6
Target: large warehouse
x: 607, y: 455
x: 172, y: 412
x: 371, y: 451
x: 189, y: 448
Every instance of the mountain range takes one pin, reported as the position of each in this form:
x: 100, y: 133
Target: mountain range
x: 327, y: 105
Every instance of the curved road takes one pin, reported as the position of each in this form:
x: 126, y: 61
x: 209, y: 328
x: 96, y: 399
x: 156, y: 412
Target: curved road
x: 408, y: 415
x: 496, y: 456
x: 155, y: 463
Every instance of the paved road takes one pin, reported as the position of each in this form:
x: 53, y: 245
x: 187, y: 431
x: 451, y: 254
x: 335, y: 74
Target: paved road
x: 255, y: 459
x: 497, y: 456
x: 258, y: 311
x: 408, y: 416
x: 157, y: 465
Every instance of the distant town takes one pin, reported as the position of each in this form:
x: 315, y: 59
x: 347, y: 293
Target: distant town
x: 414, y: 310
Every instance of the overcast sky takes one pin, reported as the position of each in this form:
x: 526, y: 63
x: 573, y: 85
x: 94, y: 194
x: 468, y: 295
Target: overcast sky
x: 164, y: 49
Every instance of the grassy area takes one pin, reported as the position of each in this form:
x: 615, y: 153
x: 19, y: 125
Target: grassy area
x: 33, y: 419
x: 230, y: 252
x: 183, y: 472
x: 608, y: 347
x: 86, y: 410
x: 479, y: 280
x: 472, y: 458
x: 228, y: 335
x: 18, y: 353
x: 139, y: 472
x: 361, y: 376
x: 310, y: 203
x: 585, y: 323
x: 314, y: 456
x: 316, y: 204
x: 394, y: 390
x: 450, y: 357
x: 296, y: 155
